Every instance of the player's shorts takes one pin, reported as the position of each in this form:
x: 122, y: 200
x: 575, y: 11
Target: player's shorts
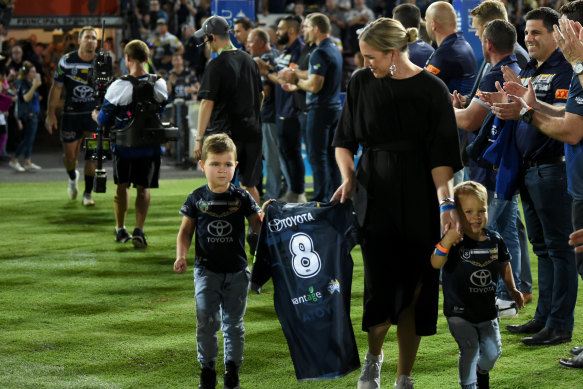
x: 74, y: 126
x: 144, y: 171
x: 249, y: 155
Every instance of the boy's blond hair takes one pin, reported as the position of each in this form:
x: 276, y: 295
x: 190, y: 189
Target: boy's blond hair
x: 470, y: 188
x: 218, y: 144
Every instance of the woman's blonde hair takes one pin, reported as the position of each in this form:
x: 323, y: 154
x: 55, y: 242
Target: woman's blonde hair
x: 386, y: 34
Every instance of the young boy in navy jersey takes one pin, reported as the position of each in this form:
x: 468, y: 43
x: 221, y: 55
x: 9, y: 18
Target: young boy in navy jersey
x: 470, y: 272
x: 216, y: 212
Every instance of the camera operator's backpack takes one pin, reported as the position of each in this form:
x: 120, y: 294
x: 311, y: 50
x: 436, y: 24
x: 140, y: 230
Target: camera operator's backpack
x: 145, y: 127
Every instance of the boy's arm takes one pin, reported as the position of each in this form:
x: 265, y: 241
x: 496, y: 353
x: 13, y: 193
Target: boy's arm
x: 439, y: 255
x: 183, y: 242
x: 505, y: 270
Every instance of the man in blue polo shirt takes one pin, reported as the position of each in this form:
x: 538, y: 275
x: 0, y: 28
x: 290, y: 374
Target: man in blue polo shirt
x: 565, y: 125
x: 498, y: 40
x: 543, y: 185
x: 288, y: 125
x: 323, y: 104
x: 410, y: 16
x: 453, y: 61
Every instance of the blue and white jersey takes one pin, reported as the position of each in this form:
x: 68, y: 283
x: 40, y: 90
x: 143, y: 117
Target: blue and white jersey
x: 305, y: 248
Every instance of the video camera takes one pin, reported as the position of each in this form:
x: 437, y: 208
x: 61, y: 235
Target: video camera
x: 98, y: 148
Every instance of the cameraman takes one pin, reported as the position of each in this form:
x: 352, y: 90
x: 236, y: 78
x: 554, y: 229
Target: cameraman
x: 131, y: 165
x: 72, y: 75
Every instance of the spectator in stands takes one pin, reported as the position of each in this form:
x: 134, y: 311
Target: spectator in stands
x: 337, y: 18
x: 185, y: 11
x: 410, y: 16
x: 28, y: 109
x: 356, y: 18
x: 164, y: 45
x: 182, y: 82
x: 203, y: 11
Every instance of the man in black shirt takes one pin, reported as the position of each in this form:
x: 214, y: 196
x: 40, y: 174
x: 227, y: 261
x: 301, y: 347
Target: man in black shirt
x: 231, y: 94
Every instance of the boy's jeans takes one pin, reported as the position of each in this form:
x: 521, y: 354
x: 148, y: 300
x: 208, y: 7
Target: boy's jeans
x: 479, y: 345
x: 220, y: 295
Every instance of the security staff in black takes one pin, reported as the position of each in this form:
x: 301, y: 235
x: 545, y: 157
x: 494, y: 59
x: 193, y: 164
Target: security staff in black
x: 230, y: 97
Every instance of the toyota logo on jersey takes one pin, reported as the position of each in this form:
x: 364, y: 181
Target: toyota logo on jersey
x: 219, y: 228
x: 82, y: 93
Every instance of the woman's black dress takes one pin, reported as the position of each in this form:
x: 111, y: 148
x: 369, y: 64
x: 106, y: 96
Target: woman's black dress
x: 407, y: 128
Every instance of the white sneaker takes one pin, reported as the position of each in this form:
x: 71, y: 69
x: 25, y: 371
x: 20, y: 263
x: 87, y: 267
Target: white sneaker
x: 404, y: 382
x: 16, y: 166
x: 73, y: 189
x: 31, y: 166
x: 507, y: 309
x: 87, y: 200
x: 370, y: 374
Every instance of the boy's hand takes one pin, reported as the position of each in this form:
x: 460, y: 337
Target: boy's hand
x: 517, y: 297
x: 451, y: 238
x: 180, y: 265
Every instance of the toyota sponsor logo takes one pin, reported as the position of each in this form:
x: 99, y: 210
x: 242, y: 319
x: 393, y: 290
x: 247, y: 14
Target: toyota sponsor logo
x: 82, y: 94
x: 219, y: 228
x: 276, y: 225
x: 482, y: 281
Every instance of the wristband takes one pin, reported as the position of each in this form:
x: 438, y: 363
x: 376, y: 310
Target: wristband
x: 440, y: 250
x: 446, y: 207
x: 446, y: 200
x: 199, y: 138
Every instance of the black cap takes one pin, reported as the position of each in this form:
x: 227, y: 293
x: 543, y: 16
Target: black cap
x: 161, y: 21
x: 214, y: 25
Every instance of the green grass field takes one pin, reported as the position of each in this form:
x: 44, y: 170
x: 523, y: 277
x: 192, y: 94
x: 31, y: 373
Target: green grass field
x: 78, y: 310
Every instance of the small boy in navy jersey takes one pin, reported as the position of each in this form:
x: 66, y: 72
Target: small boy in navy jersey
x: 216, y: 212
x: 470, y: 273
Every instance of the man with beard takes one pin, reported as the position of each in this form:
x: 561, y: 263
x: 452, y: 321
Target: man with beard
x: 288, y: 125
x: 72, y: 75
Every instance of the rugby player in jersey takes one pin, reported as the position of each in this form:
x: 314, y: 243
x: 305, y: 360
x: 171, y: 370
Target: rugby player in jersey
x: 72, y: 77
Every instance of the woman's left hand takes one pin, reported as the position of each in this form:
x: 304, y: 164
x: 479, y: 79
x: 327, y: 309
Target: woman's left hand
x: 344, y: 192
x: 451, y: 220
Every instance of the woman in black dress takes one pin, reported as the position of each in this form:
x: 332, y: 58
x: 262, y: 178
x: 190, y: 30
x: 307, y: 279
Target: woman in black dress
x: 402, y: 116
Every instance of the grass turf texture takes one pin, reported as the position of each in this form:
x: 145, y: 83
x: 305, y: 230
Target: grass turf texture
x: 80, y: 311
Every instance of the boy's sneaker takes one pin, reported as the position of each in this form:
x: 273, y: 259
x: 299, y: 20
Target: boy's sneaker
x: 507, y: 309
x: 231, y: 378
x: 370, y: 374
x: 16, y: 166
x: 122, y: 236
x: 72, y: 188
x: 139, y: 239
x: 88, y: 201
x: 208, y: 378
x: 404, y: 382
